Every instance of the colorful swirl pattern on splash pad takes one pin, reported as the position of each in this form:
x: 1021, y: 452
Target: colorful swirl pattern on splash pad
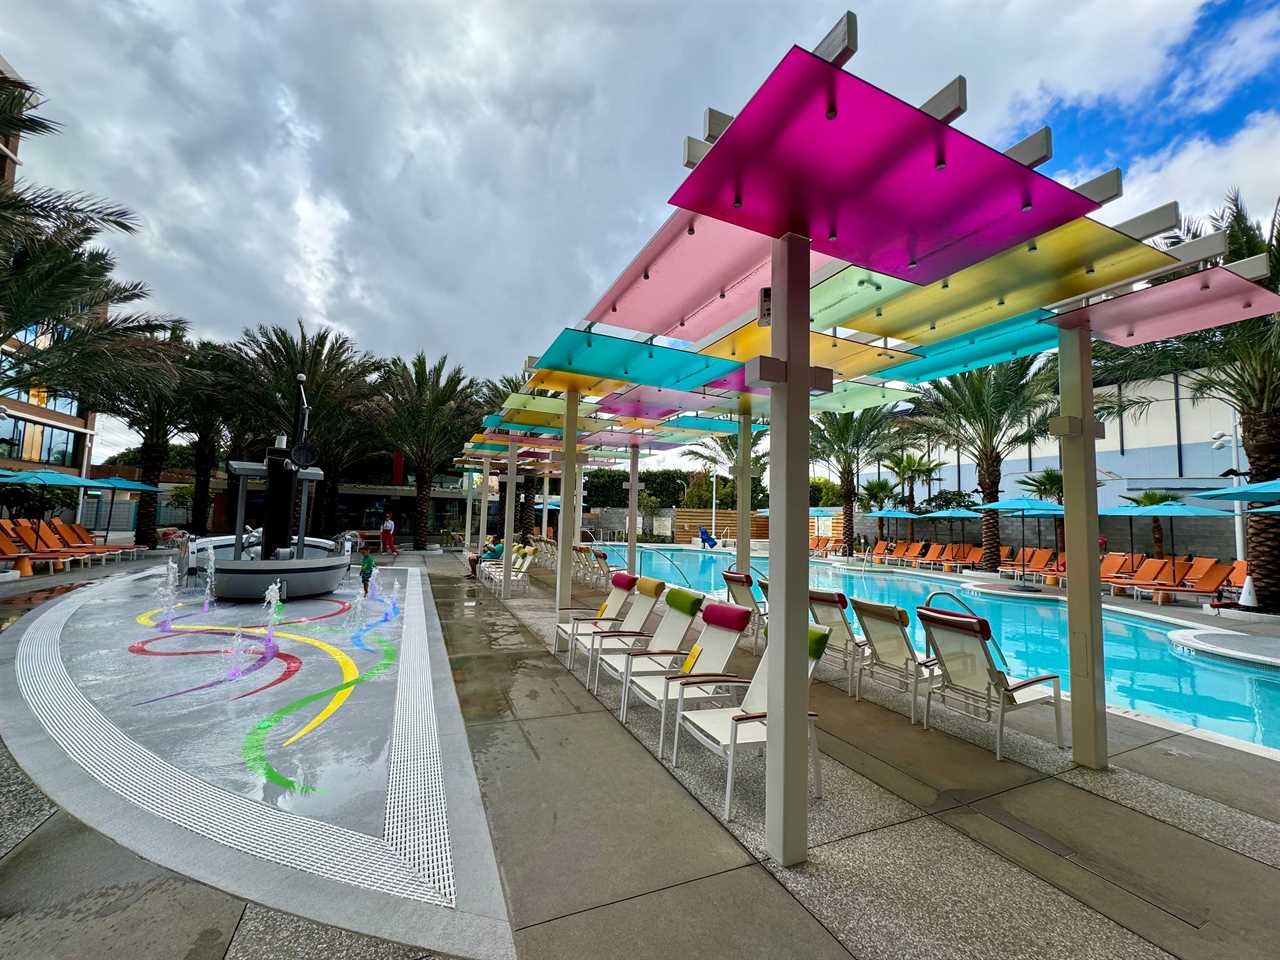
x: 254, y: 749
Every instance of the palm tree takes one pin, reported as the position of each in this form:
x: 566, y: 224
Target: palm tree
x: 845, y: 442
x: 426, y: 412
x: 876, y: 495
x: 719, y: 453
x: 911, y: 468
x: 26, y: 211
x: 987, y: 413
x: 1047, y: 485
x: 1151, y: 498
x: 1238, y: 364
x: 341, y: 389
x: 207, y: 398
x: 59, y: 311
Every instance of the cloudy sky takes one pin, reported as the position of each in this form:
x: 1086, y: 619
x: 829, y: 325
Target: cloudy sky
x: 466, y: 178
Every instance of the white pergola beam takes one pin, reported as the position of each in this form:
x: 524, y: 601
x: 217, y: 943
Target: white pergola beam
x: 841, y: 41
x: 714, y: 123
x: 1251, y: 268
x: 1033, y: 150
x: 1154, y: 223
x: 949, y: 103
x: 1103, y: 188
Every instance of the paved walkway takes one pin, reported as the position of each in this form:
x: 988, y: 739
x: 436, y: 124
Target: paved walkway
x: 923, y: 845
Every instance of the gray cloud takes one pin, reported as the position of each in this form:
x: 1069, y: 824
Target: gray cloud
x: 467, y: 178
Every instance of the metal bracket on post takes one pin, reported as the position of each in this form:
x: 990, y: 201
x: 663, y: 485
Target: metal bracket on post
x: 626, y: 485
x: 765, y: 371
x: 1073, y: 427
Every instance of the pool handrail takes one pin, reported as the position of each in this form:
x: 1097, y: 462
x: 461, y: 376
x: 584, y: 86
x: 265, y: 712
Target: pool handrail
x: 643, y: 550
x: 992, y: 641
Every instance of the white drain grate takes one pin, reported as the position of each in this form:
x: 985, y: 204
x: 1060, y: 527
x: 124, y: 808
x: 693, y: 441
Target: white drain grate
x: 415, y: 863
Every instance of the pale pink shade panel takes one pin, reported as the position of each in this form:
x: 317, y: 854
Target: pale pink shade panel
x: 869, y: 178
x: 1211, y: 298
x: 737, y: 382
x: 687, y: 273
x: 655, y: 403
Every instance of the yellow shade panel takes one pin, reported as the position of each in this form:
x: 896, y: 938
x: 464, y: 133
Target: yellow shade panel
x: 754, y: 404
x: 1070, y: 261
x: 562, y: 382
x: 848, y: 358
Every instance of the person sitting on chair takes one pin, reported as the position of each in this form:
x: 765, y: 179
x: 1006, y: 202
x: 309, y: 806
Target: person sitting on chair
x: 492, y: 552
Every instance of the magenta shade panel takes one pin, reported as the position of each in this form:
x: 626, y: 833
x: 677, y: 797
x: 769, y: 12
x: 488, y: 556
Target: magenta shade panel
x: 687, y: 273
x: 737, y: 382
x: 1211, y: 298
x: 880, y: 184
x: 655, y: 403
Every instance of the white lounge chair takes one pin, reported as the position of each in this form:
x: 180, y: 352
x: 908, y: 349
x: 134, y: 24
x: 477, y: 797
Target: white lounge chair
x: 608, y: 612
x: 644, y: 598
x: 740, y: 592
x: 722, y: 626
x: 971, y: 679
x: 619, y: 653
x: 828, y: 607
x: 889, y: 651
x: 727, y: 731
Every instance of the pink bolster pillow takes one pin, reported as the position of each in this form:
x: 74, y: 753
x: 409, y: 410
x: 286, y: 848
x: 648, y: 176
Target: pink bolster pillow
x: 624, y: 581
x: 726, y: 615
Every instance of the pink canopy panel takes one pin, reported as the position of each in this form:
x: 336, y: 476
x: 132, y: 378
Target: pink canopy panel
x: 869, y: 178
x: 688, y: 285
x: 737, y: 382
x: 656, y: 403
x: 1211, y: 298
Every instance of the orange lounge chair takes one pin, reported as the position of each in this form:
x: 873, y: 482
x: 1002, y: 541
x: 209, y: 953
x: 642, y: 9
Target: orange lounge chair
x: 913, y: 553
x: 51, y: 540
x: 1168, y: 577
x: 952, y: 553
x: 897, y: 553
x: 1040, y: 562
x: 876, y: 551
x: 1016, y: 562
x: 1209, y: 585
x: 22, y: 560
x: 813, y: 545
x: 932, y: 556
x: 77, y: 535
x: 1150, y: 570
x: 1239, y: 573
x: 25, y: 535
x: 820, y: 548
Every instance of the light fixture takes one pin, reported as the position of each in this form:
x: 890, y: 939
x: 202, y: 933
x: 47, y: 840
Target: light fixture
x: 946, y: 283
x: 1000, y: 302
x: 1031, y: 247
x: 722, y: 294
x: 879, y: 312
x: 911, y: 264
x: 691, y: 228
x: 831, y: 235
x: 613, y: 308
x: 646, y: 273
x: 1089, y: 269
x: 1026, y: 206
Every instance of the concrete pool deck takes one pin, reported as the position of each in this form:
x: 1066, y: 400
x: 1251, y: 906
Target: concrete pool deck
x: 923, y: 845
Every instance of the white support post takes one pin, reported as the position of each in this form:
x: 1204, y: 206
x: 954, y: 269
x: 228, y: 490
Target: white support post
x: 742, y: 561
x: 579, y: 503
x: 633, y: 509
x: 546, y: 502
x: 786, y: 775
x: 509, y: 523
x: 568, y: 508
x: 1078, y: 429
x: 466, y: 525
x: 484, y: 509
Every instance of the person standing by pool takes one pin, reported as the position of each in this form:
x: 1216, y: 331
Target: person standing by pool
x: 389, y: 536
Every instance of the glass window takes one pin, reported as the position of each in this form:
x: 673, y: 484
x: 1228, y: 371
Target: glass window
x: 11, y: 432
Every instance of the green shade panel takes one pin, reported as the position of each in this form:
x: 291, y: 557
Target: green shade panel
x: 853, y: 395
x: 850, y: 292
x: 591, y: 354
x: 553, y: 405
x: 1019, y: 336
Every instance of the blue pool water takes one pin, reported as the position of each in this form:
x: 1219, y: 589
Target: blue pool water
x: 1144, y: 671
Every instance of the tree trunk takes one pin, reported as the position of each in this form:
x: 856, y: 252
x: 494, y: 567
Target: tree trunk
x: 421, y: 508
x: 204, y: 455
x: 1157, y: 538
x: 1060, y: 539
x: 525, y: 517
x: 1260, y: 436
x: 152, y: 455
x: 911, y: 508
x: 848, y: 488
x: 989, y: 483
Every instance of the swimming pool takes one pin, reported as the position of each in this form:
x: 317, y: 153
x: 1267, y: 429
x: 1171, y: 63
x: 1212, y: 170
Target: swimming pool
x: 1145, y: 673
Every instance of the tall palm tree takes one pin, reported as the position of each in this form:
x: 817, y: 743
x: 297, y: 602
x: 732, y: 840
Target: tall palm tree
x: 426, y: 411
x: 846, y: 442
x: 876, y: 495
x: 1047, y: 485
x: 207, y: 398
x: 341, y: 389
x: 911, y: 468
x: 27, y: 211
x: 987, y: 413
x: 1238, y: 364
x: 1151, y: 498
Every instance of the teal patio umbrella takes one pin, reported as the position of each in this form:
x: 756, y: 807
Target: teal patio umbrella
x: 1172, y: 510
x: 1265, y: 491
x: 1024, y: 507
x: 47, y: 478
x: 894, y: 515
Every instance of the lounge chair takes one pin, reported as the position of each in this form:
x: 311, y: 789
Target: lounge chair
x: 26, y: 536
x: 608, y: 613
x: 740, y: 592
x: 876, y: 551
x: 1209, y: 586
x: 77, y: 535
x: 644, y: 598
x: 722, y: 626
x: 821, y: 547
x: 889, y: 651
x: 900, y: 548
x: 603, y: 570
x: 1037, y: 563
x: 912, y: 552
x: 1239, y: 574
x: 827, y: 608
x: 1172, y: 574
x: 970, y: 677
x: 1151, y: 569
x: 931, y: 556
x: 972, y: 559
x: 49, y: 540
x: 1015, y: 562
x: 12, y: 554
x: 619, y: 654
x: 951, y: 553
x: 728, y: 731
